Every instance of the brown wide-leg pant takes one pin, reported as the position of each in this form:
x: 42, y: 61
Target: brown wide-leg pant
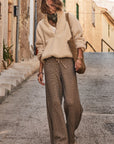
x: 61, y: 81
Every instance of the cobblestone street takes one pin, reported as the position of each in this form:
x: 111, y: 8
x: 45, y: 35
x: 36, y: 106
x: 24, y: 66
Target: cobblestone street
x: 23, y: 118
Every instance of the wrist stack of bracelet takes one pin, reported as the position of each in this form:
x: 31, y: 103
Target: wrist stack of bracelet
x: 79, y: 58
x: 40, y: 73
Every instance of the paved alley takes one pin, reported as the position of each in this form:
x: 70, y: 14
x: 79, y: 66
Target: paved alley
x: 23, y: 118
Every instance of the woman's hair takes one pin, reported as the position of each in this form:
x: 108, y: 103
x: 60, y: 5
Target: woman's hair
x: 45, y: 8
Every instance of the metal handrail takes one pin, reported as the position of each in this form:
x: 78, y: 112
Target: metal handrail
x: 102, y: 40
x: 90, y: 46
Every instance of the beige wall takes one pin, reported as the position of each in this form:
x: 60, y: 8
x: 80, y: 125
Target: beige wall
x: 1, y: 40
x: 109, y: 38
x: 24, y: 53
x: 5, y: 20
x: 3, y: 29
x: 1, y: 46
x: 12, y: 26
x: 92, y: 34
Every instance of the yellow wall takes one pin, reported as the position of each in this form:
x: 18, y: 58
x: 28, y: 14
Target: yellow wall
x: 109, y: 38
x: 92, y: 34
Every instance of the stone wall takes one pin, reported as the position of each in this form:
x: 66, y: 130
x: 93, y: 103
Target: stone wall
x: 1, y: 46
x: 24, y: 30
x: 7, y: 28
x: 3, y: 29
x: 1, y: 41
x: 5, y: 20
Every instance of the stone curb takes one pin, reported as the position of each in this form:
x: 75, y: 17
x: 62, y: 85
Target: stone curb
x: 15, y: 75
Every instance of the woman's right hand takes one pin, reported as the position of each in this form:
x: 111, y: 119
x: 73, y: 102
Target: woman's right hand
x: 40, y: 74
x: 40, y: 78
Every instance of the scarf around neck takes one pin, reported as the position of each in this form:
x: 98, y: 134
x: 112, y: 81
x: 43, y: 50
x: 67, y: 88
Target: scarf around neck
x: 52, y: 17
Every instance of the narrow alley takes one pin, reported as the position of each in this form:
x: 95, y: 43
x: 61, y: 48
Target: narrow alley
x: 23, y: 118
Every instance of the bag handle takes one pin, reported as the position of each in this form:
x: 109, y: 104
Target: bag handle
x: 68, y: 20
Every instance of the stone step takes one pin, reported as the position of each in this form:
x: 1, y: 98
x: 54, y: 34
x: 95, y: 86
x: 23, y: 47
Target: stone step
x: 7, y: 86
x: 18, y: 78
x: 16, y: 71
x: 34, y: 63
x: 11, y: 73
x: 3, y: 94
x: 10, y: 80
x: 2, y: 91
x: 25, y: 67
x: 15, y: 74
x: 26, y: 73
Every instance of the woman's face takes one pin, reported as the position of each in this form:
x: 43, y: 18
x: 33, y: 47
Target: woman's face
x: 51, y: 6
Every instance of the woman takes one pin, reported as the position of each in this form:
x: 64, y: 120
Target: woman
x: 55, y: 57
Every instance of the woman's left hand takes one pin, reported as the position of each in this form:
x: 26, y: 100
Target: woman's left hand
x: 78, y: 64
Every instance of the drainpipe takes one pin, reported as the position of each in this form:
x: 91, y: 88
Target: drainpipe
x: 17, y: 32
x: 0, y: 10
x: 35, y: 25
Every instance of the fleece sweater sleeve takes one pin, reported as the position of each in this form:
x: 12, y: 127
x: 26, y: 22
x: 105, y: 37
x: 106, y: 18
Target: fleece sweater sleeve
x: 39, y: 41
x: 77, y: 32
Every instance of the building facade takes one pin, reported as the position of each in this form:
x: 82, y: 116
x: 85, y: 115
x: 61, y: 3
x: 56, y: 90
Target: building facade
x: 107, y: 32
x: 7, y: 29
x: 92, y: 18
x: 17, y: 29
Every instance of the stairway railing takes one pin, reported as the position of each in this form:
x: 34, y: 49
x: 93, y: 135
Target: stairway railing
x: 87, y: 43
x: 102, y: 40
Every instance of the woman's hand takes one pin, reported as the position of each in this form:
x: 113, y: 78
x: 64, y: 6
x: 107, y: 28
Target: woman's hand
x: 40, y: 78
x: 40, y: 74
x: 78, y: 64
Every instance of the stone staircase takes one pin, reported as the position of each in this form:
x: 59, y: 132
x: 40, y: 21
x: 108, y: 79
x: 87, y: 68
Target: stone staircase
x: 15, y: 75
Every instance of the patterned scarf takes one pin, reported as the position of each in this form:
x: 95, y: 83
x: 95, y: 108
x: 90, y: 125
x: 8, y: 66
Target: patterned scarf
x: 52, y: 17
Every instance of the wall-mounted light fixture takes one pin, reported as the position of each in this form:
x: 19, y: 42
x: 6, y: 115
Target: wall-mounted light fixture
x: 0, y: 11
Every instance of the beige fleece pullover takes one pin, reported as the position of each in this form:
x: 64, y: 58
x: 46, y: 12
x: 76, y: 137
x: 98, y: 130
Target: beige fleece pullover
x: 50, y: 43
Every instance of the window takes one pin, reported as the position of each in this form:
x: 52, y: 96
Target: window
x: 77, y: 11
x: 93, y: 17
x: 108, y: 30
x: 64, y: 1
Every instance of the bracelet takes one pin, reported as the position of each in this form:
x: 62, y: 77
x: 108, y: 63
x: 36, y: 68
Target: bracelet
x: 79, y: 58
x: 40, y: 73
